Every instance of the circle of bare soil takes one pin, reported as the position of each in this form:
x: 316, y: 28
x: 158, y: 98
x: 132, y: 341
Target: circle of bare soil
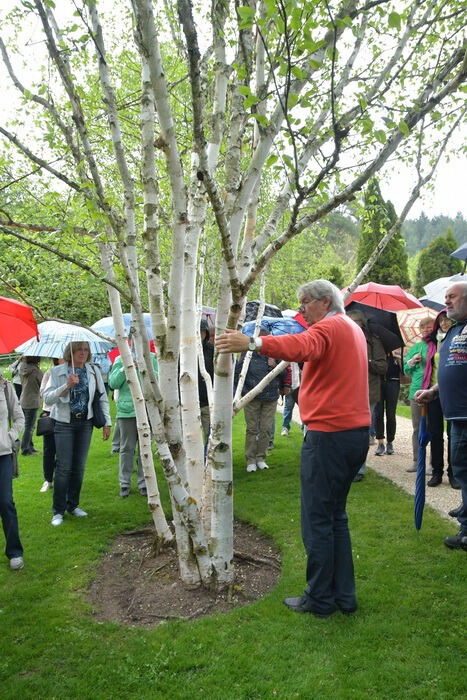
x: 135, y: 587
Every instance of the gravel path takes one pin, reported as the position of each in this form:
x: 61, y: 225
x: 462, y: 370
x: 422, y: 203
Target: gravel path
x: 442, y: 498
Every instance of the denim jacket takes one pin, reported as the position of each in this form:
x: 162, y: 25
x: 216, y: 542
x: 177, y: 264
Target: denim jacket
x: 60, y: 405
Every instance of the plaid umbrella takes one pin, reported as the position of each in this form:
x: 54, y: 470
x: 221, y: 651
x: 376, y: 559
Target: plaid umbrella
x: 55, y: 336
x: 424, y: 438
x: 409, y: 323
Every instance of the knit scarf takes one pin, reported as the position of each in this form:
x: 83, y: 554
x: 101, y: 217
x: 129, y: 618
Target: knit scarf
x: 430, y: 353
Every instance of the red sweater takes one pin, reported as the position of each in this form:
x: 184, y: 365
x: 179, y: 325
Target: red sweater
x: 334, y: 388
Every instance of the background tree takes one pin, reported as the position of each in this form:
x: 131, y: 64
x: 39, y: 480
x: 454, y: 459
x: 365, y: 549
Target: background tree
x: 377, y: 218
x: 252, y: 124
x: 436, y: 261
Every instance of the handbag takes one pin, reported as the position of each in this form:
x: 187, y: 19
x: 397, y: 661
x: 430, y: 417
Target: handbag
x: 98, y: 417
x: 45, y: 424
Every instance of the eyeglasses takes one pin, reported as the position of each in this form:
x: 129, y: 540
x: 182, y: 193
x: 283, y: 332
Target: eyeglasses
x: 304, y: 303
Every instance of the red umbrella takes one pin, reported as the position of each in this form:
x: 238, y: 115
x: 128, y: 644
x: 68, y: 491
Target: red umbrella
x: 390, y: 297
x: 17, y: 324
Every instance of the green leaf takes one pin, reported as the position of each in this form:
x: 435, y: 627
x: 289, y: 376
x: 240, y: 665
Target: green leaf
x: 261, y: 119
x: 271, y: 160
x: 394, y: 20
x: 247, y: 17
x: 367, y: 125
x: 403, y: 127
x: 244, y: 90
x: 380, y: 136
x: 315, y: 64
x: 299, y: 73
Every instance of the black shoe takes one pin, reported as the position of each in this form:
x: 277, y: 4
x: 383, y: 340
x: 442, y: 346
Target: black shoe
x: 453, y: 481
x: 435, y: 480
x: 455, y: 511
x: 458, y: 541
x: 302, y: 604
x: 357, y: 477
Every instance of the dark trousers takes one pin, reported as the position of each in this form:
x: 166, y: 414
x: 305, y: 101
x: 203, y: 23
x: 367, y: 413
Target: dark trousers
x: 48, y: 457
x: 72, y: 442
x: 329, y: 462
x: 29, y: 424
x: 389, y: 397
x: 8, y: 509
x: 459, y: 464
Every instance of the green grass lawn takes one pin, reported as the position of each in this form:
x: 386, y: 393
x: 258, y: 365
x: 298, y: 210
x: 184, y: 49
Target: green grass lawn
x: 406, y: 641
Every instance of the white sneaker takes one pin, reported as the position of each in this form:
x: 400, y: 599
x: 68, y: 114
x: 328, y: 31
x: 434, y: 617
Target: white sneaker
x: 78, y: 513
x: 262, y: 465
x: 16, y: 563
x: 45, y: 486
x: 57, y: 519
x: 284, y: 432
x: 251, y: 467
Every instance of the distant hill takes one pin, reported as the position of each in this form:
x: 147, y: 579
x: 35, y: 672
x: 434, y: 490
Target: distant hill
x: 419, y: 233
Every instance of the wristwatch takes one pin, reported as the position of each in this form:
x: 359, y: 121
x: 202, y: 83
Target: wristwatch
x: 252, y: 344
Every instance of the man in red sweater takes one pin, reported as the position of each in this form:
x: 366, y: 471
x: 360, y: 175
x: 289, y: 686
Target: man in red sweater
x: 333, y: 402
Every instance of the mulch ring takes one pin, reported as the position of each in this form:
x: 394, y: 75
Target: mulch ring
x: 137, y: 588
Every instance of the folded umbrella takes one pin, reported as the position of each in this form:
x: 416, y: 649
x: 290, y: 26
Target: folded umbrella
x: 17, y: 324
x: 424, y: 438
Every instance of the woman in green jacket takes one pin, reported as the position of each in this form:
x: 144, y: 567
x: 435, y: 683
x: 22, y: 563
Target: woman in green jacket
x: 126, y: 417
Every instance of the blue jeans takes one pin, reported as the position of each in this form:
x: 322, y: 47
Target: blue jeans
x: 72, y: 442
x: 29, y: 424
x: 8, y: 509
x: 459, y: 464
x: 329, y: 462
x: 289, y: 404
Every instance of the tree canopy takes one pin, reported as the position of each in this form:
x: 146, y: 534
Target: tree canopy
x: 436, y: 261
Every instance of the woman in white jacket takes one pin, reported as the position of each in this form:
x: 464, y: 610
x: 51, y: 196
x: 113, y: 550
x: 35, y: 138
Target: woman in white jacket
x: 11, y: 422
x: 70, y: 393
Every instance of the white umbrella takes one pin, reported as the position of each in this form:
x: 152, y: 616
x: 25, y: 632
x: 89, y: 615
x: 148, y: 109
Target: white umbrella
x: 55, y: 336
x: 436, y: 290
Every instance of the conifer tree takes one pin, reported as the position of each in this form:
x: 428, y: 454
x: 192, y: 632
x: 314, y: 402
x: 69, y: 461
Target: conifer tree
x: 436, y: 261
x: 378, y: 217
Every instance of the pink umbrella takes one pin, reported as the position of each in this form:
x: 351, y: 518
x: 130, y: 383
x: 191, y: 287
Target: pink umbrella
x: 17, y: 324
x: 390, y: 297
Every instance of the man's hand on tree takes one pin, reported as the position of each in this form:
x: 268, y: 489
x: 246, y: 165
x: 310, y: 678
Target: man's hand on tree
x: 232, y: 341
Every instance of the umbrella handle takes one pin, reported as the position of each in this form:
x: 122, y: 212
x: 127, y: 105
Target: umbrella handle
x: 424, y: 409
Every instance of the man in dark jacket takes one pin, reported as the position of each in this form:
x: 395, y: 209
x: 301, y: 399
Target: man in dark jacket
x: 377, y: 367
x: 260, y: 411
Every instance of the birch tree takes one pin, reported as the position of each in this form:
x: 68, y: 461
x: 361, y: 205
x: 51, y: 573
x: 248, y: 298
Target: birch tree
x: 242, y: 124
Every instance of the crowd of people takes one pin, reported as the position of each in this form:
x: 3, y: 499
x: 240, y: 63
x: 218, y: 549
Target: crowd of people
x: 344, y: 381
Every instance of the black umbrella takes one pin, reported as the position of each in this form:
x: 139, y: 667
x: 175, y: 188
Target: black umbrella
x: 382, y: 323
x: 424, y: 438
x: 431, y: 304
x: 251, y: 310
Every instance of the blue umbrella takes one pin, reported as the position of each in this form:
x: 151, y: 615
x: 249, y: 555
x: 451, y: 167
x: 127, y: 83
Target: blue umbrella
x: 461, y: 254
x: 424, y: 438
x: 106, y: 325
x: 275, y: 326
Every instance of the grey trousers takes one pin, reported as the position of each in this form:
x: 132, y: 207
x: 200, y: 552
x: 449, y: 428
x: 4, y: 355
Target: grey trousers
x: 128, y: 442
x: 258, y: 418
